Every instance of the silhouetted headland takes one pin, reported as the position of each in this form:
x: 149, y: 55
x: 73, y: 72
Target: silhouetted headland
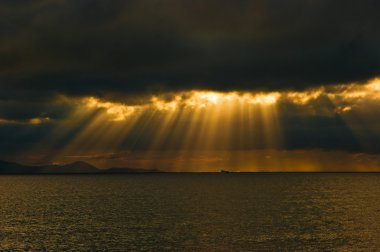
x: 78, y: 167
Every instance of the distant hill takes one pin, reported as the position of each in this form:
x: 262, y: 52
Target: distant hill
x: 14, y: 168
x: 78, y: 167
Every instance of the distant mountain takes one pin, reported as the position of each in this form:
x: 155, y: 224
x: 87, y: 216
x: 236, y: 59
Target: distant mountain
x: 78, y: 167
x: 9, y: 167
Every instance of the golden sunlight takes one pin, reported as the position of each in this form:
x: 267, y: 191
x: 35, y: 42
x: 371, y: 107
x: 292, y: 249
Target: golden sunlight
x: 199, y: 121
x: 117, y: 111
x: 190, y: 99
x: 352, y: 93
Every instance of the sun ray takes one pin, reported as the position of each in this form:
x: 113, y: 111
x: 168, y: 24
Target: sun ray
x: 190, y: 122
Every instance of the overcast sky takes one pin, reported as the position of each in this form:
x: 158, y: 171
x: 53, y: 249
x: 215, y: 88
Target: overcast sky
x: 56, y: 52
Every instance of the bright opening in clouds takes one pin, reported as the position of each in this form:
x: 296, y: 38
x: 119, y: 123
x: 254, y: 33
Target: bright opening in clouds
x: 191, y: 85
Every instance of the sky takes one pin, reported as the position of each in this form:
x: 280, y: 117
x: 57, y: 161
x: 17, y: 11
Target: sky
x: 180, y: 85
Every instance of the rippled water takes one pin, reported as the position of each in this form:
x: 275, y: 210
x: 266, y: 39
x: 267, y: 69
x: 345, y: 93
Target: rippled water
x: 191, y: 212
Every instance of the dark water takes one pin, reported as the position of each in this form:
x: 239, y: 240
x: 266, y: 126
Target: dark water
x: 191, y: 212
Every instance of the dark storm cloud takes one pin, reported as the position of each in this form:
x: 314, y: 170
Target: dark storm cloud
x: 119, y: 49
x: 90, y: 47
x: 26, y: 110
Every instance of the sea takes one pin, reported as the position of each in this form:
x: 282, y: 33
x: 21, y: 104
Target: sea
x: 191, y: 212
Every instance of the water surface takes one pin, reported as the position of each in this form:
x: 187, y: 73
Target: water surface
x: 190, y: 212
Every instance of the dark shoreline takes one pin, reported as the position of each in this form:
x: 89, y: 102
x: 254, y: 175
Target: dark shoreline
x: 174, y: 172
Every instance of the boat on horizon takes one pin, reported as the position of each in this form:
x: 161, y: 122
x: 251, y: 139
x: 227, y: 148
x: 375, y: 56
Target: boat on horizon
x: 225, y: 171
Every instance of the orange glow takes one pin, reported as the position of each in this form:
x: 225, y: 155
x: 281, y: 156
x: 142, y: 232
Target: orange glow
x: 6, y: 121
x: 192, y: 122
x: 192, y: 99
x: 117, y: 111
x: 39, y: 120
x: 264, y: 99
x: 302, y: 98
x: 351, y: 93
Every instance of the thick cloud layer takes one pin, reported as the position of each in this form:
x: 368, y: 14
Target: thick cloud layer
x: 54, y: 53
x: 93, y: 47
